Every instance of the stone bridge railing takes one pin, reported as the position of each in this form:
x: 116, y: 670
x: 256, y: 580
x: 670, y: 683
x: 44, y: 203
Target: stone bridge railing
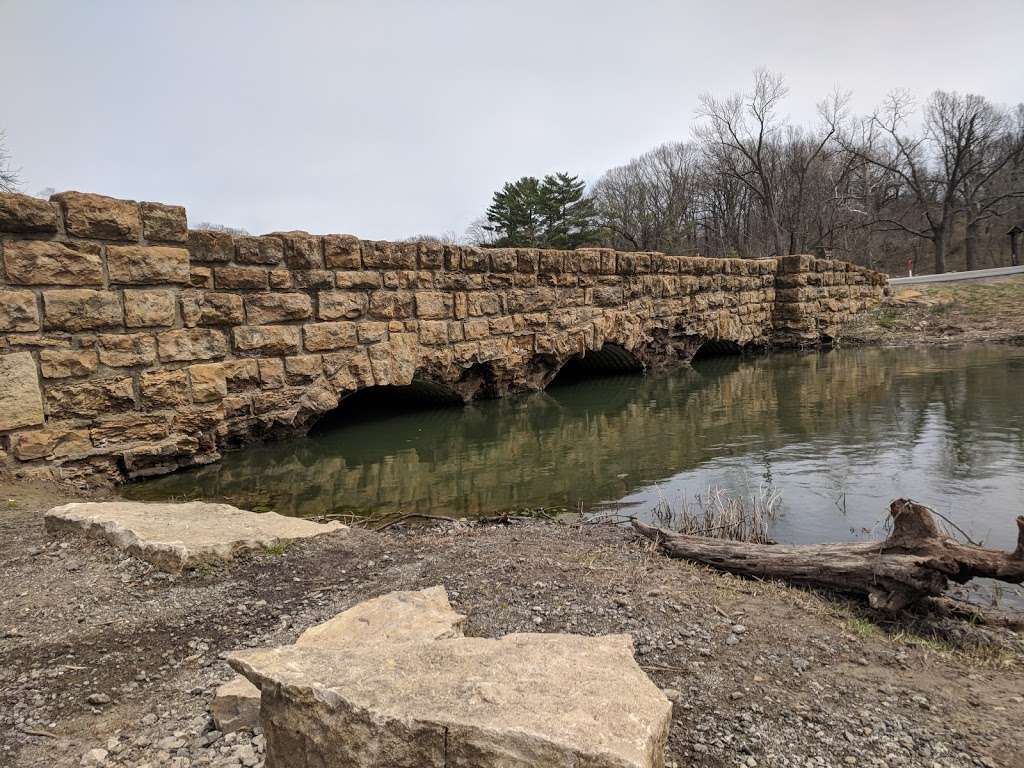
x: 132, y: 346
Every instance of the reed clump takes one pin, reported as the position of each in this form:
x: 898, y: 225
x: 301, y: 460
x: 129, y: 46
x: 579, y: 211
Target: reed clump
x: 721, y: 514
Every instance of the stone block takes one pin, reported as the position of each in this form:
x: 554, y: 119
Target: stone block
x: 164, y: 223
x: 372, y: 332
x: 263, y: 308
x: 342, y: 252
x: 384, y: 255
x: 266, y: 340
x: 44, y: 262
x: 54, y: 441
x: 185, y: 344
x: 433, y: 332
x: 123, y: 428
x: 587, y: 703
x: 304, y: 366
x: 280, y: 280
x: 241, y: 374
x: 322, y: 337
x: 259, y: 250
x: 97, y: 216
x: 164, y: 388
x: 391, y: 305
x: 67, y: 363
x: 271, y: 373
x: 211, y: 308
x: 147, y: 265
x: 81, y: 309
x: 200, y: 277
x: 126, y: 350
x: 312, y: 279
x: 174, y: 537
x: 18, y: 311
x: 90, y: 398
x: 209, y: 382
x: 240, y: 278
x: 207, y: 245
x: 301, y: 250
x: 21, y: 402
x: 148, y: 308
x: 23, y: 214
x: 360, y: 279
x: 434, y: 305
x: 342, y: 305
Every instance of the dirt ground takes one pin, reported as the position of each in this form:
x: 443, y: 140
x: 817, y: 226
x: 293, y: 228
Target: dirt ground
x: 978, y: 311
x: 106, y: 662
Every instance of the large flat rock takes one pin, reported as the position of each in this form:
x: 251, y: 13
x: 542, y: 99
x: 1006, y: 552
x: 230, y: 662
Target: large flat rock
x: 174, y: 537
x: 397, y: 617
x: 524, y: 700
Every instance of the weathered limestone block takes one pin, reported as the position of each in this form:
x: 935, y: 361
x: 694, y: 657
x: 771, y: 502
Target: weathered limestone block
x: 258, y: 250
x: 397, y: 617
x: 266, y: 340
x: 126, y: 350
x: 209, y: 382
x: 147, y: 265
x: 301, y: 250
x: 148, y: 308
x: 371, y: 332
x: 185, y: 344
x: 174, y: 537
x: 312, y: 279
x: 90, y: 398
x: 164, y: 223
x: 105, y: 218
x: 164, y: 389
x: 357, y: 279
x: 384, y: 255
x: 200, y: 277
x: 271, y: 372
x: 240, y: 278
x: 206, y: 245
x: 263, y: 308
x: 241, y: 374
x: 65, y: 363
x: 342, y: 305
x: 526, y: 700
x: 324, y: 337
x: 304, y: 366
x: 18, y: 311
x: 25, y: 214
x: 43, y: 262
x: 132, y: 427
x: 54, y: 441
x: 210, y: 308
x: 342, y: 252
x: 81, y: 309
x: 434, y: 305
x: 21, y: 403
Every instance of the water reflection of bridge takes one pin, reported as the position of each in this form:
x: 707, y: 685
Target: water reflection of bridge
x: 603, y: 438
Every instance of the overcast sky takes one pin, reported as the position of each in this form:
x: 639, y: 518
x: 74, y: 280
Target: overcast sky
x: 388, y: 119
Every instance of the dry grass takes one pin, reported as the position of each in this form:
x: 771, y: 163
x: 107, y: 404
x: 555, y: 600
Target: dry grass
x: 720, y: 514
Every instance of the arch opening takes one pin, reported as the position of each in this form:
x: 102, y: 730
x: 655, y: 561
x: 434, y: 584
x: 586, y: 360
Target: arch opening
x: 711, y: 349
x: 378, y: 402
x: 610, y: 360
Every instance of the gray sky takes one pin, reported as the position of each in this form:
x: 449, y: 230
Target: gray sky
x: 388, y: 119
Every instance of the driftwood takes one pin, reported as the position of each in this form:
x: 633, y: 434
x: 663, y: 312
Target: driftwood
x: 917, y: 560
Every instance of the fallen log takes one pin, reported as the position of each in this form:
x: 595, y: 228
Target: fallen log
x: 916, y: 561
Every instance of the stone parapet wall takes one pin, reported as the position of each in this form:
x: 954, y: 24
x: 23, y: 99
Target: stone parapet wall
x: 130, y: 345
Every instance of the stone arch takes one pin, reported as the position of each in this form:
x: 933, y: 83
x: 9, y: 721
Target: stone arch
x: 608, y: 359
x: 716, y: 348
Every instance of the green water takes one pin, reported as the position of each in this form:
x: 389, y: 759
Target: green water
x: 839, y: 434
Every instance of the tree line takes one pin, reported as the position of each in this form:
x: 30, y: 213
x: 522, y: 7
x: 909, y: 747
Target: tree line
x: 935, y: 185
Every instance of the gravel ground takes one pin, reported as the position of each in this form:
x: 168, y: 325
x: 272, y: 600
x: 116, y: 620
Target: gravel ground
x: 104, y: 661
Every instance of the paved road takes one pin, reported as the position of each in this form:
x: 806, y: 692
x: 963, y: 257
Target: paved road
x: 953, y: 277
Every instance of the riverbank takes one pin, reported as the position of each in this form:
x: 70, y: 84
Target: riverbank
x: 976, y: 312
x: 98, y: 652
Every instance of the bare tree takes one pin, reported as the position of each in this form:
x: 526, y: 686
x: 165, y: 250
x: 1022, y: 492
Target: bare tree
x: 10, y: 179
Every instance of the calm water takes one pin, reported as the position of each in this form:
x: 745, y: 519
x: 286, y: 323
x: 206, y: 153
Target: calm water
x: 839, y: 434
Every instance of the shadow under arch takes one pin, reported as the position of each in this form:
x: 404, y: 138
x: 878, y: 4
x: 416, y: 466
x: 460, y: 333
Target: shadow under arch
x: 372, y: 403
x: 610, y: 360
x: 716, y: 348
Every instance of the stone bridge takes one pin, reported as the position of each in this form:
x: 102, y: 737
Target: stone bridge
x: 132, y: 346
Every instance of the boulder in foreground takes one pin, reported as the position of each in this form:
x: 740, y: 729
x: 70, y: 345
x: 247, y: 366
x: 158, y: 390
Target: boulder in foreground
x: 174, y: 537
x: 524, y: 700
x: 397, y: 617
